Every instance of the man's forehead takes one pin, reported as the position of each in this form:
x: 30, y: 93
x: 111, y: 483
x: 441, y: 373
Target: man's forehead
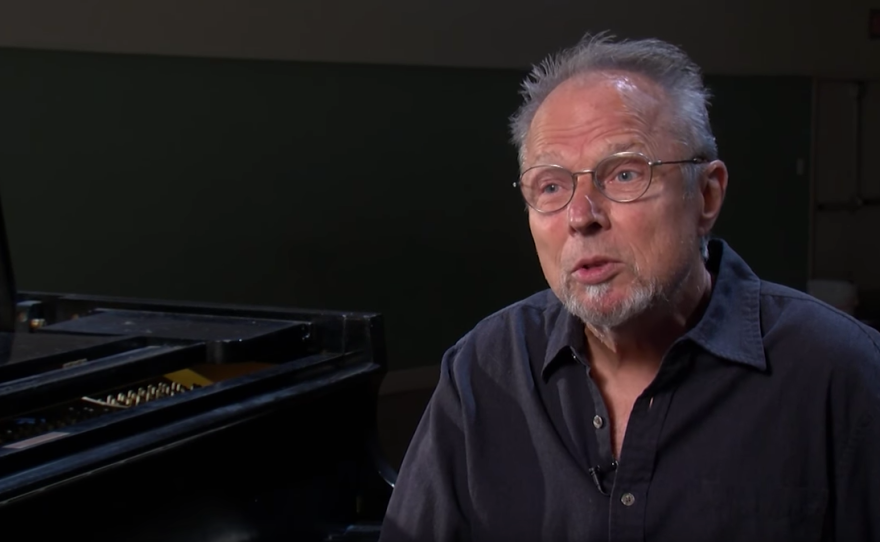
x: 605, y: 87
x: 596, y: 101
x: 602, y: 150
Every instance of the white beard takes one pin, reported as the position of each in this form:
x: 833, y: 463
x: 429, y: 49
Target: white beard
x: 586, y: 302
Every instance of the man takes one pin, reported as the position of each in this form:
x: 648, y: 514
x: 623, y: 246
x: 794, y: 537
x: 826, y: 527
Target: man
x: 659, y: 390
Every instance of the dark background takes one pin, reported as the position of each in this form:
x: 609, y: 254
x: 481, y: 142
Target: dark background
x: 327, y: 185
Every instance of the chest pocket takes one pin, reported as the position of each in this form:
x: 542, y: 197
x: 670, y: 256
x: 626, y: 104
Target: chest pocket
x: 763, y: 512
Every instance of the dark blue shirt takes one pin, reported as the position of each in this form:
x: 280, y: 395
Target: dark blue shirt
x: 762, y: 424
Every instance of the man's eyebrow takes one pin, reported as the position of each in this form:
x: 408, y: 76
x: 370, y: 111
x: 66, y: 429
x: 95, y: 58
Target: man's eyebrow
x: 547, y: 158
x: 622, y: 146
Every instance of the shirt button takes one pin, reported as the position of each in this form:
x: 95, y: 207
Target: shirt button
x: 598, y: 422
x: 628, y: 499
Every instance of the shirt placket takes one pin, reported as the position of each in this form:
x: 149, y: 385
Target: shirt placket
x: 626, y: 521
x: 604, y: 464
x: 626, y: 481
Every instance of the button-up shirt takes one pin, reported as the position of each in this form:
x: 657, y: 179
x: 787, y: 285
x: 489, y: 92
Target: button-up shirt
x: 762, y: 424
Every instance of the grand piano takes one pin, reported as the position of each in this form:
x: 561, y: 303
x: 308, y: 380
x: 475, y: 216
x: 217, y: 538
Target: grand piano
x: 126, y: 419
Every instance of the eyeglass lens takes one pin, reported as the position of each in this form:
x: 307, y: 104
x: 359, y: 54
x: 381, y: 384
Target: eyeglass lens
x: 622, y: 177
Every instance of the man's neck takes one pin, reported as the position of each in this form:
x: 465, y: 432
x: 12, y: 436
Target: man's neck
x: 640, y: 344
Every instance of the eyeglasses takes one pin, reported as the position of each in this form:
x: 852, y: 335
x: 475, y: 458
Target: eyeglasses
x: 622, y: 177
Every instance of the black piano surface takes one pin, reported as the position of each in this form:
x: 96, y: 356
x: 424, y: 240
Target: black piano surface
x: 125, y: 419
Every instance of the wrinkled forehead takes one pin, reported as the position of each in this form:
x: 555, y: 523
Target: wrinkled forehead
x: 602, y: 149
x: 608, y: 91
x: 588, y: 108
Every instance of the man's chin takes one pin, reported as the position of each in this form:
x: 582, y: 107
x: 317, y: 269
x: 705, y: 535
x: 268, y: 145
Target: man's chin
x: 601, y: 312
x: 604, y: 306
x: 599, y: 298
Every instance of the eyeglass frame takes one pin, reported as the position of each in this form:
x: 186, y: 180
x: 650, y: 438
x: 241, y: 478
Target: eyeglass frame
x: 575, y: 174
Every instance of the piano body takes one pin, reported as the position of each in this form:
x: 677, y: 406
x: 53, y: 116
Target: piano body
x: 125, y: 419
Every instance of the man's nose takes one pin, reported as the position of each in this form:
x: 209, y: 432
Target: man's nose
x: 586, y: 210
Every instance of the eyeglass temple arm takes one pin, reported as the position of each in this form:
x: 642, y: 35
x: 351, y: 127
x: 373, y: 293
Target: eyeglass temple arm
x: 694, y: 160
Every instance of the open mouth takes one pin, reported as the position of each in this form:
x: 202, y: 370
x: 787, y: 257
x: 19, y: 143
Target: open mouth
x: 595, y: 271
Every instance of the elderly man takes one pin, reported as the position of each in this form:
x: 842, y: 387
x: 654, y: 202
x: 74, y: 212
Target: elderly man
x: 659, y: 390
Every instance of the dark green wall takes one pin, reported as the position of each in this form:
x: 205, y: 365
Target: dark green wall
x: 323, y: 186
x: 763, y: 127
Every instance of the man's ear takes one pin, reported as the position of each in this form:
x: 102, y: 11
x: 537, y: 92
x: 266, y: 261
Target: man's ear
x: 713, y: 187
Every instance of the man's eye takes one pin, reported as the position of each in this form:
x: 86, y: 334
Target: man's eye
x: 626, y: 176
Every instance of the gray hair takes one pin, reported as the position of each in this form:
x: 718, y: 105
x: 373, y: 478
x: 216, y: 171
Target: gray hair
x: 661, y: 62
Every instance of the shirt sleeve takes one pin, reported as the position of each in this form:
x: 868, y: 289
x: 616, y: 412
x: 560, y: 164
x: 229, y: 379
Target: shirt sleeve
x: 429, y: 500
x: 857, y: 495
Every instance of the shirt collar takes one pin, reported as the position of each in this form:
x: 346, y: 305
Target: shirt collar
x: 730, y: 327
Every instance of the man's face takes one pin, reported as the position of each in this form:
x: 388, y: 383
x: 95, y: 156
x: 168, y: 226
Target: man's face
x: 609, y: 261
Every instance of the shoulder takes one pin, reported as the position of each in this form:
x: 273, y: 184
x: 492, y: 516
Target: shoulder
x: 534, y: 314
x: 506, y: 339
x: 822, y: 339
x: 785, y: 309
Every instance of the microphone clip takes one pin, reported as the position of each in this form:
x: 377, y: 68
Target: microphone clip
x: 598, y: 472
